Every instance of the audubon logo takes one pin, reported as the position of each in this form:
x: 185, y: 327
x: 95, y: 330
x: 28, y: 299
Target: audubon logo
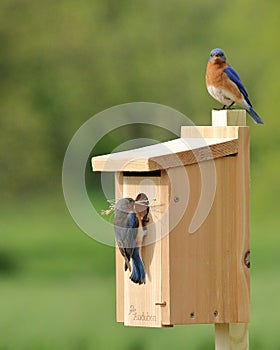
x: 144, y: 317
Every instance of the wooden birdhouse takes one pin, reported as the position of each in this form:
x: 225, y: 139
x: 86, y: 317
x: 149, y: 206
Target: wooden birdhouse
x: 196, y: 248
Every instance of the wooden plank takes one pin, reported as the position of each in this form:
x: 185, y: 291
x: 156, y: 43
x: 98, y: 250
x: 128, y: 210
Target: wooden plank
x: 203, y: 265
x: 119, y: 259
x: 232, y: 336
x: 222, y: 339
x: 209, y: 132
x: 173, y: 153
x: 225, y: 123
x: 216, y: 150
x: 242, y: 223
x: 242, y: 206
x: 235, y: 336
x: 141, y: 303
x: 163, y: 226
x: 228, y: 117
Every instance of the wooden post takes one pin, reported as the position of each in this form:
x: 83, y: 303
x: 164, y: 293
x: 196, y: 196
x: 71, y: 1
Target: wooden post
x: 235, y: 336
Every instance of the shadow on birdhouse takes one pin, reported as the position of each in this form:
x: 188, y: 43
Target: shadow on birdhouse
x: 196, y: 244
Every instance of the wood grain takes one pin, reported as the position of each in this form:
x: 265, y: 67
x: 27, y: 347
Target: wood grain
x: 119, y: 258
x: 231, y: 336
x: 235, y: 336
x: 178, y: 152
x: 204, y: 267
x: 139, y: 305
x: 209, y: 132
x: 226, y: 117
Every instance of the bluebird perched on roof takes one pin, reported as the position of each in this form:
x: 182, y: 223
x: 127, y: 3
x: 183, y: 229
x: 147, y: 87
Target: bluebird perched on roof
x: 128, y: 215
x: 224, y: 84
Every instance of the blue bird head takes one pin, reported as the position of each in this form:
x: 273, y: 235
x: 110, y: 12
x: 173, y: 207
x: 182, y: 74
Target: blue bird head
x: 217, y: 54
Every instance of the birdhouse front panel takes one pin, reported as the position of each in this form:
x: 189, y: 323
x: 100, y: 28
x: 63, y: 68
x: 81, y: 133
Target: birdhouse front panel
x: 141, y: 305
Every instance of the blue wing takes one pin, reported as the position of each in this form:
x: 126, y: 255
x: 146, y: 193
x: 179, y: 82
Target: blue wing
x: 138, y: 272
x: 132, y: 221
x: 132, y: 225
x: 233, y: 76
x: 126, y: 228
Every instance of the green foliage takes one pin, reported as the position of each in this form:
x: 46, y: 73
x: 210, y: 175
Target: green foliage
x: 8, y: 263
x: 62, y: 62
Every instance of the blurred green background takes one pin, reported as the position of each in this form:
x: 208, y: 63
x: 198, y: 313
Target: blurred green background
x: 62, y: 62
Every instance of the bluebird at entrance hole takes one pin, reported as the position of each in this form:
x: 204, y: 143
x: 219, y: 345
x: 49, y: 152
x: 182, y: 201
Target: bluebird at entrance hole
x: 129, y: 215
x: 224, y: 84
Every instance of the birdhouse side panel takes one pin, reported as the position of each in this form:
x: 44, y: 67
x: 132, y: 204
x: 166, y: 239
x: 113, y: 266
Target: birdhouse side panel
x: 207, y: 283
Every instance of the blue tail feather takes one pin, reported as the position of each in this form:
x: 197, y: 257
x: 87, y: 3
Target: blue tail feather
x: 257, y: 119
x: 138, y: 274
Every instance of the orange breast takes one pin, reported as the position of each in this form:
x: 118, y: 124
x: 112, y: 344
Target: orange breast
x: 215, y: 76
x: 214, y: 73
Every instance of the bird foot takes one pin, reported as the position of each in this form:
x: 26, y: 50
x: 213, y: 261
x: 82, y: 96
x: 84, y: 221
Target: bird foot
x: 229, y: 107
x: 225, y: 107
x: 219, y: 109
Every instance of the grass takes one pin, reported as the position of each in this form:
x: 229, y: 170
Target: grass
x: 58, y: 290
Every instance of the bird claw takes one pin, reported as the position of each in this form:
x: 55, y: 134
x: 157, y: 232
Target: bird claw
x: 225, y: 107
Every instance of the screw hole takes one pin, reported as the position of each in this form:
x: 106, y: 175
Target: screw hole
x: 247, y: 259
x: 216, y: 314
x: 192, y: 314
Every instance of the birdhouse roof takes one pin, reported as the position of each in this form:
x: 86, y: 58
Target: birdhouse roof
x: 178, y: 152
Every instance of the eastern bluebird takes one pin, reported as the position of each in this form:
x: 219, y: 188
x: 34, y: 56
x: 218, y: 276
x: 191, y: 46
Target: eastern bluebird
x: 128, y: 214
x: 225, y: 85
